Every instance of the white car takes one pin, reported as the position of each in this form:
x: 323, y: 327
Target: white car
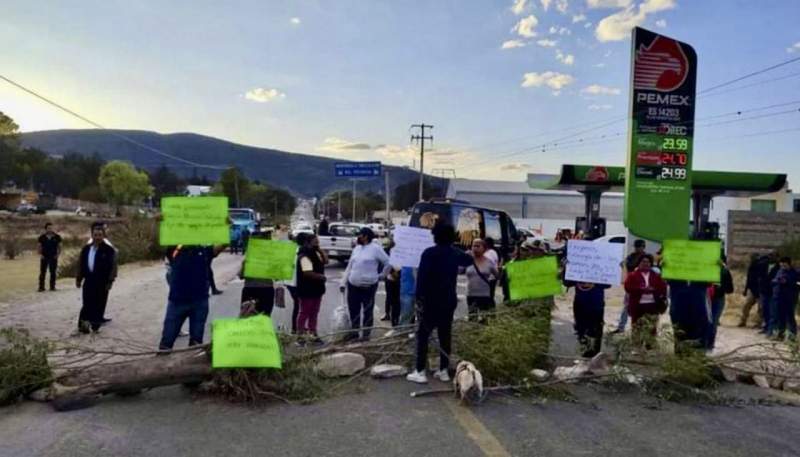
x: 301, y: 228
x: 610, y: 239
x: 378, y: 229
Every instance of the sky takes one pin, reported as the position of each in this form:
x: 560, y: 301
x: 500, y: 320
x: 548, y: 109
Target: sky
x: 512, y: 87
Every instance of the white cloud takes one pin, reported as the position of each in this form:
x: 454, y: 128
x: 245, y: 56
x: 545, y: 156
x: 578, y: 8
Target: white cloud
x: 578, y: 18
x: 661, y: 23
x: 596, y: 89
x: 587, y: 25
x: 617, y: 26
x: 525, y: 26
x: 516, y: 167
x: 295, y: 21
x: 600, y: 65
x: 608, y: 3
x: 562, y: 5
x: 566, y: 59
x: 560, y: 31
x: 547, y: 43
x: 340, y: 145
x: 546, y: 4
x: 511, y: 44
x: 551, y: 79
x: 599, y: 107
x: 397, y: 153
x: 262, y: 95
x: 519, y: 6
x: 794, y: 48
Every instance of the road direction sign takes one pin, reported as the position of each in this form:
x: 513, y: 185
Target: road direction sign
x: 358, y: 169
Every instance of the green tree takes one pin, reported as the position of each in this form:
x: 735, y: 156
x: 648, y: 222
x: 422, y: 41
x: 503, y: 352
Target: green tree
x: 9, y: 131
x: 122, y: 184
x: 166, y: 182
x: 405, y: 195
x: 229, y: 182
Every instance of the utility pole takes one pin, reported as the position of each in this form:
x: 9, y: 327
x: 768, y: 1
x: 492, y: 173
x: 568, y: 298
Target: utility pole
x: 354, y: 201
x: 275, y: 214
x: 388, y: 207
x: 236, y: 184
x: 421, y: 138
x: 339, y: 206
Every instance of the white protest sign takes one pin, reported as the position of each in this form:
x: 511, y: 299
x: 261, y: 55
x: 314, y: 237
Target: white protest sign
x: 409, y: 243
x: 597, y: 263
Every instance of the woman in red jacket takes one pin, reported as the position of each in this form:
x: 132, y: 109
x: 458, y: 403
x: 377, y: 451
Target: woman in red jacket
x: 647, y: 298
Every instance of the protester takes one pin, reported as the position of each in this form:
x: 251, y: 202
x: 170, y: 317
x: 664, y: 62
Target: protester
x: 211, y: 283
x: 259, y: 291
x: 479, y: 280
x: 647, y: 298
x: 291, y: 285
x: 188, y: 293
x: 49, y: 250
x: 751, y: 292
x: 367, y: 265
x: 437, y: 299
x: 323, y: 228
x: 588, y: 308
x: 630, y: 264
x: 688, y: 313
x: 408, y: 290
x: 310, y: 286
x: 391, y: 306
x: 765, y: 282
x: 96, y: 274
x: 784, y: 302
x: 491, y: 253
x: 716, y: 296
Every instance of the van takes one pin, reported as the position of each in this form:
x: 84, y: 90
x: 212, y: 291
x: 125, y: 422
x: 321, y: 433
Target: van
x: 470, y: 222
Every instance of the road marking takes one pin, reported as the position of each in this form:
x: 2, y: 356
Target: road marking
x: 476, y: 431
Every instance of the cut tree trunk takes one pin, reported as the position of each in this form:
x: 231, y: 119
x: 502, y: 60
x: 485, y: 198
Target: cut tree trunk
x: 82, y: 388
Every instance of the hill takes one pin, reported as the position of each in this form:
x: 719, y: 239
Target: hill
x: 302, y: 174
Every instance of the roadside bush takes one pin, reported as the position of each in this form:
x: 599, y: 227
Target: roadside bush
x: 23, y: 364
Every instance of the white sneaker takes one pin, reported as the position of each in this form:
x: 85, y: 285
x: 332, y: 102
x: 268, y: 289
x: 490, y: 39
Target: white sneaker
x: 418, y: 377
x: 442, y: 375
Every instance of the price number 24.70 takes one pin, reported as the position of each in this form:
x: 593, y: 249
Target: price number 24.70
x: 677, y: 174
x: 675, y: 144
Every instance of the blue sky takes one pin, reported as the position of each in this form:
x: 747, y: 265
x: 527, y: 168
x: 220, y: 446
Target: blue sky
x: 346, y: 78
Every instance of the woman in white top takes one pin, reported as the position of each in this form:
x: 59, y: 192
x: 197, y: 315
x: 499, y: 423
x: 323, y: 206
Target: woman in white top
x: 367, y: 265
x: 480, y: 276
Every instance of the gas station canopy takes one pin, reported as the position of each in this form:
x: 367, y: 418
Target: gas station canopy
x: 583, y: 178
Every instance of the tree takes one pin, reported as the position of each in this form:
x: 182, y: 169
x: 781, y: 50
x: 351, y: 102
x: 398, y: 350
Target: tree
x: 229, y: 182
x: 122, y: 184
x: 166, y: 182
x: 405, y: 195
x: 366, y: 204
x: 9, y: 131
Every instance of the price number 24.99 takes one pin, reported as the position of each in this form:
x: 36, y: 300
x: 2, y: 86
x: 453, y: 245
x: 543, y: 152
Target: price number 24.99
x: 677, y: 174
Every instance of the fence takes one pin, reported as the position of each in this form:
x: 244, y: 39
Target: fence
x: 758, y: 233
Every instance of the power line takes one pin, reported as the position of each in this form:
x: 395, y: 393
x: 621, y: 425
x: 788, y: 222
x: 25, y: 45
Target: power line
x: 749, y: 75
x: 110, y: 132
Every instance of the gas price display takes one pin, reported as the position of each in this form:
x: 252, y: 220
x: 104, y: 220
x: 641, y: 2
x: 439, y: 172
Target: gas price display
x: 667, y: 161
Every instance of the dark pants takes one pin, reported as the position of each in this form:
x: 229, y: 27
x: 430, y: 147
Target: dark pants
x: 492, y: 289
x: 717, y: 307
x: 45, y: 264
x: 177, y: 313
x: 295, y: 307
x: 211, y: 276
x: 263, y: 296
x: 393, y: 301
x: 589, y: 328
x: 95, y: 297
x: 766, y: 310
x: 361, y: 304
x: 443, y: 323
x: 478, y: 304
x: 688, y: 314
x: 784, y: 317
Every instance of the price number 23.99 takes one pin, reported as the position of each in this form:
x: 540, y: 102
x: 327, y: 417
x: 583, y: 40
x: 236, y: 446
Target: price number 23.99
x: 675, y: 144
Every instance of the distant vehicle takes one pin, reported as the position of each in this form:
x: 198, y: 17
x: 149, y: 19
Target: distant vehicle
x: 470, y: 222
x: 244, y: 222
x: 300, y: 228
x: 341, y: 241
x: 378, y: 229
x: 611, y: 239
x: 26, y: 208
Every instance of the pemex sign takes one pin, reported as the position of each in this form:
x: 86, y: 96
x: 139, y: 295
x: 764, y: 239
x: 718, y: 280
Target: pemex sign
x: 658, y: 184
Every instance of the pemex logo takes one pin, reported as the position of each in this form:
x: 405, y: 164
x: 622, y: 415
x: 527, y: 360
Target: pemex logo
x: 662, y: 66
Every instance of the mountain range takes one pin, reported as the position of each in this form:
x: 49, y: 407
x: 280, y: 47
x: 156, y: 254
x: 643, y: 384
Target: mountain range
x: 302, y: 174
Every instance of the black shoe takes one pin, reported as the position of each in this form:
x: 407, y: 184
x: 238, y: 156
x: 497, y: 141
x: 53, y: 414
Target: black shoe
x: 216, y: 292
x: 41, y: 289
x: 53, y: 289
x: 386, y: 318
x: 105, y: 320
x: 84, y: 327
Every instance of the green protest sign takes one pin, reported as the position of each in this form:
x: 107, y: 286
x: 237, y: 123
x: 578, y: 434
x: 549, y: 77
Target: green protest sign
x: 533, y: 278
x: 194, y: 221
x: 245, y: 343
x: 691, y: 260
x: 270, y: 259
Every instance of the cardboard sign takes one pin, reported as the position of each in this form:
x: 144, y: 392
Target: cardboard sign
x: 410, y: 243
x: 194, y: 221
x: 597, y: 263
x: 691, y: 260
x: 245, y: 343
x: 533, y: 278
x: 270, y: 259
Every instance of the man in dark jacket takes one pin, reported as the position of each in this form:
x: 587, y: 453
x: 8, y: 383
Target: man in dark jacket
x: 96, y: 275
x: 784, y: 301
x: 436, y: 296
x: 768, y: 306
x: 588, y: 308
x: 717, y: 294
x: 49, y: 250
x: 752, y: 289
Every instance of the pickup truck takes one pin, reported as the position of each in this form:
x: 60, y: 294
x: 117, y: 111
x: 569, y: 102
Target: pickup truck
x: 339, y: 245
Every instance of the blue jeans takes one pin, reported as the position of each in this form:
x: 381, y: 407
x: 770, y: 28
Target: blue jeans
x: 406, y: 309
x: 177, y: 313
x: 717, y: 307
x: 361, y: 300
x: 784, y: 319
x: 623, y: 316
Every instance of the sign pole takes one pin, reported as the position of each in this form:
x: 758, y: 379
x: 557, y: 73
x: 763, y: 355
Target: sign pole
x: 354, y: 200
x: 386, y: 191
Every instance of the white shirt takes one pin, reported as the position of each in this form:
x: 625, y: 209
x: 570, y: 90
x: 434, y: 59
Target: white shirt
x: 492, y: 254
x: 92, y: 255
x: 647, y: 298
x: 368, y: 263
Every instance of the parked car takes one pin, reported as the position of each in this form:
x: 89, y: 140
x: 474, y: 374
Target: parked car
x: 300, y: 228
x: 26, y: 208
x: 341, y: 241
x: 378, y: 229
x: 610, y: 239
x: 244, y: 222
x: 470, y: 222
